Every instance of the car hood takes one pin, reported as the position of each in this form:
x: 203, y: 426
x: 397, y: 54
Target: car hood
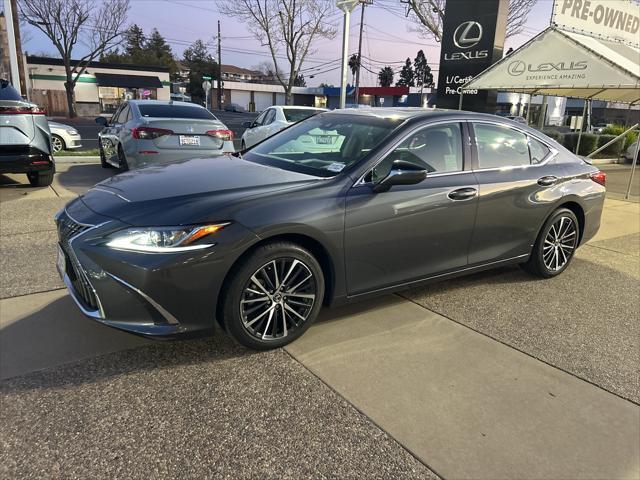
x: 189, y: 191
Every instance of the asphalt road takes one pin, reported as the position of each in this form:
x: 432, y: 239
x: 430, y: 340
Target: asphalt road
x: 88, y: 129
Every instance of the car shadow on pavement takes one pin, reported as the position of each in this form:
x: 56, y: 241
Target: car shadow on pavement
x: 80, y: 177
x: 60, y: 348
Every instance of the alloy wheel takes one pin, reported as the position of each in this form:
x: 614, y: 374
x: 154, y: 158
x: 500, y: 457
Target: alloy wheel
x: 559, y: 243
x: 56, y: 144
x: 278, y: 298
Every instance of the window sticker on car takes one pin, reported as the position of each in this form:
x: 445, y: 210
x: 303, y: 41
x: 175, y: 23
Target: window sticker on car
x: 451, y: 163
x: 336, y: 167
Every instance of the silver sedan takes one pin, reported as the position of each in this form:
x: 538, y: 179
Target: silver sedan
x: 151, y: 132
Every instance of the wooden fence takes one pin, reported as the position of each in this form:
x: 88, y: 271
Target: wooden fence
x: 54, y: 101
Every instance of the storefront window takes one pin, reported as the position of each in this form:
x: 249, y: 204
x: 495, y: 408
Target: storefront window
x: 111, y: 97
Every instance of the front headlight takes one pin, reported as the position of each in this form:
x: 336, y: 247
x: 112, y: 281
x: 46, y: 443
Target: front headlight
x: 71, y: 131
x: 163, y: 239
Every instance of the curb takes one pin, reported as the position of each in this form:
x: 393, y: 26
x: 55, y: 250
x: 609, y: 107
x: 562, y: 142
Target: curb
x: 77, y: 159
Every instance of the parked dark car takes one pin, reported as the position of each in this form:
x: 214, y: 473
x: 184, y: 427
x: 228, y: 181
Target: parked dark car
x: 234, y: 107
x: 25, y: 139
x: 261, y: 240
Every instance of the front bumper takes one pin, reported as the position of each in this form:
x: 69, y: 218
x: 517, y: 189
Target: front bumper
x: 156, y: 295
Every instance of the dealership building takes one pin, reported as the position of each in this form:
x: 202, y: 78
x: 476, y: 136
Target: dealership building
x: 99, y: 90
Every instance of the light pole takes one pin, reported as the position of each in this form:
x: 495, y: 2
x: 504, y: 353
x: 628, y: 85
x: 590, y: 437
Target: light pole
x: 13, y: 52
x: 347, y: 7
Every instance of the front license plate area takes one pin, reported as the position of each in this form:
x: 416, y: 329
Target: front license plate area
x: 61, y: 262
x: 189, y: 140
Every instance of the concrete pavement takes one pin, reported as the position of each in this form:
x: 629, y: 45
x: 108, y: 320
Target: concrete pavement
x: 466, y: 405
x: 537, y: 386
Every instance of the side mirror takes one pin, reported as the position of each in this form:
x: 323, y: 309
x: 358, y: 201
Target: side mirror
x: 247, y: 124
x: 402, y: 173
x: 102, y: 121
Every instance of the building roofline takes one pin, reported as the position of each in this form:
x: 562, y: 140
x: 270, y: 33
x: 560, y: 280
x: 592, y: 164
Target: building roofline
x: 36, y: 60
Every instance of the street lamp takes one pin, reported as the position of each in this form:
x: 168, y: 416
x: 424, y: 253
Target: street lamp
x: 347, y: 7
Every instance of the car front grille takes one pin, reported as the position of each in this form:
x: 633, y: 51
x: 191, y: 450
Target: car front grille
x: 68, y: 229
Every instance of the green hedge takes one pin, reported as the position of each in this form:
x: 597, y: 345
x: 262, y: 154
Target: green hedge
x: 615, y: 148
x: 588, y: 142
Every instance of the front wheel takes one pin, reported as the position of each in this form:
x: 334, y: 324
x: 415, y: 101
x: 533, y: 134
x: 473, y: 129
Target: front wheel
x: 57, y: 143
x: 273, y: 296
x: 555, y: 246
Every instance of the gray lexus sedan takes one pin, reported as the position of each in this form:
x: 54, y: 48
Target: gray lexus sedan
x: 259, y: 241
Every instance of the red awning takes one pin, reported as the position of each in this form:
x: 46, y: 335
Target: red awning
x: 384, y: 91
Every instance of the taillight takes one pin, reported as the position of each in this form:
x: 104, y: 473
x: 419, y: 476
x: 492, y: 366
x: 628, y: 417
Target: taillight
x: 221, y: 134
x: 599, y: 177
x: 22, y: 110
x: 148, y: 133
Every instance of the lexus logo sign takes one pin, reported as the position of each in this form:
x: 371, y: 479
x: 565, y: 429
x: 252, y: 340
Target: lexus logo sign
x: 467, y: 35
x: 516, y: 68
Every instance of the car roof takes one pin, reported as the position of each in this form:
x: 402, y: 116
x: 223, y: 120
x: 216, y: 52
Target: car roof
x: 412, y: 112
x: 164, y: 102
x: 299, y: 107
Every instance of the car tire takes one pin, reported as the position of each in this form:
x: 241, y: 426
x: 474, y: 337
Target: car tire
x: 555, y: 246
x: 103, y: 159
x: 244, y: 145
x: 252, y: 313
x: 57, y: 144
x: 122, y: 160
x: 40, y: 179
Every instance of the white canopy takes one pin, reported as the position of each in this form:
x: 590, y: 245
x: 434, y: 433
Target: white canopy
x: 567, y: 64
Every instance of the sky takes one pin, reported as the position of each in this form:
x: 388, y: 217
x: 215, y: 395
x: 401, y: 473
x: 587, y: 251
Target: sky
x: 388, y: 37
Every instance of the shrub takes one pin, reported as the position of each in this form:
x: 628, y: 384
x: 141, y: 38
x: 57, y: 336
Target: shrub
x: 617, y: 130
x: 588, y: 142
x: 556, y: 135
x: 614, y: 149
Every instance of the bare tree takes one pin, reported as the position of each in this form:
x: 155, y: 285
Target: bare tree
x: 427, y: 15
x: 94, y: 26
x: 289, y: 25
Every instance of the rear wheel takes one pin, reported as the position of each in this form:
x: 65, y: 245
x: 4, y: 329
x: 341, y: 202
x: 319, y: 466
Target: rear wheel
x: 122, y: 160
x: 57, y: 143
x: 273, y: 296
x: 40, y: 179
x: 555, y: 246
x: 244, y: 145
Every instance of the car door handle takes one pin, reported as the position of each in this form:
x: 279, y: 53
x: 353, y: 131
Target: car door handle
x: 547, y: 181
x: 462, y: 194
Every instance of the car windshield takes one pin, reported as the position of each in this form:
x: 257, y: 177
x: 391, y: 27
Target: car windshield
x: 323, y: 145
x: 296, y: 114
x: 175, y: 111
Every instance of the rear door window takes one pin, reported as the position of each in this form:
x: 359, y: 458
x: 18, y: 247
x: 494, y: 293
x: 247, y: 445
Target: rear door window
x: 175, y: 111
x: 500, y: 146
x: 538, y: 151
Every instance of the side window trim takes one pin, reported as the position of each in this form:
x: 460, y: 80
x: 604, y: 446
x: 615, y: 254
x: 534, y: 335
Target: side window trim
x: 474, y: 147
x: 465, y: 131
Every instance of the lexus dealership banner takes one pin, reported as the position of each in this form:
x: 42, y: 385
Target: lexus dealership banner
x: 610, y: 19
x: 472, y: 40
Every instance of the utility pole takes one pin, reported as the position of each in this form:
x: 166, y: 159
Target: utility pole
x: 16, y: 31
x: 364, y: 4
x: 219, y: 70
x: 11, y: 38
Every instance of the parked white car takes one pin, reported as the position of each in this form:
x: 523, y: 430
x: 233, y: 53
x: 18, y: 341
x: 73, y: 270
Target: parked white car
x: 64, y: 137
x: 272, y: 120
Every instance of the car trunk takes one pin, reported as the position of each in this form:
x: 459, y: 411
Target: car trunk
x: 16, y: 129
x: 188, y: 134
